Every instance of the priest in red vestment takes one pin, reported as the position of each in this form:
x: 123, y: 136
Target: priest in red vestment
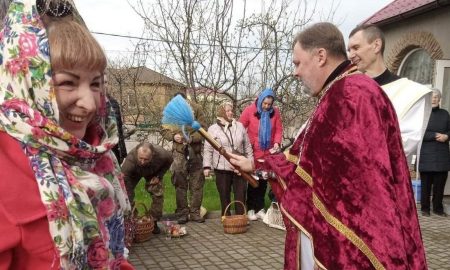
x: 344, y: 186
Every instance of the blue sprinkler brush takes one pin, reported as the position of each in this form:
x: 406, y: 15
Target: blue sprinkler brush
x: 178, y: 112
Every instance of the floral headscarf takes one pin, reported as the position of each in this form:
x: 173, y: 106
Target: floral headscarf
x: 79, y: 183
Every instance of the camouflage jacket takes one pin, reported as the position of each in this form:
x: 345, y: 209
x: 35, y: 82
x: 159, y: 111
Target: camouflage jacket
x: 195, y: 139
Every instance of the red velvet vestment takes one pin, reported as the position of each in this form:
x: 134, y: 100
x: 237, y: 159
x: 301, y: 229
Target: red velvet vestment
x: 351, y: 193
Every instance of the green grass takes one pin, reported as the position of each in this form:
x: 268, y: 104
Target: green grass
x: 211, y: 200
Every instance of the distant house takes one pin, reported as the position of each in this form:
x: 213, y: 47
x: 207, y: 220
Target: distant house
x: 142, y: 94
x: 418, y: 42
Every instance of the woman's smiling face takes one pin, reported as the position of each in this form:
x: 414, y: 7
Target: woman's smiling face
x: 78, y: 97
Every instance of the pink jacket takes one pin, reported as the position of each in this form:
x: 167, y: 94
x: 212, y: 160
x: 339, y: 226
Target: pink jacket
x: 251, y: 123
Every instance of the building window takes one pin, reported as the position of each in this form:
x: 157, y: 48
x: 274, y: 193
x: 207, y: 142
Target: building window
x: 417, y: 66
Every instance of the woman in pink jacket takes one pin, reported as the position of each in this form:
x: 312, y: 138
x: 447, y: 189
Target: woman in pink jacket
x: 265, y: 131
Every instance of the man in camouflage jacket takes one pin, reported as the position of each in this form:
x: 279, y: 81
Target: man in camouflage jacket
x: 187, y: 167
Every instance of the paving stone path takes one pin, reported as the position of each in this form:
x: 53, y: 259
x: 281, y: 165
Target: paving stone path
x: 207, y: 247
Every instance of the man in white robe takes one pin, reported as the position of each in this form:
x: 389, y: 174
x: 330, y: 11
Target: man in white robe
x: 411, y: 100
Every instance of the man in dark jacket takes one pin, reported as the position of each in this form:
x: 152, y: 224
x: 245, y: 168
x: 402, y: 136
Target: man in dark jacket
x: 120, y: 150
x: 434, y: 162
x: 151, y: 162
x: 4, y: 4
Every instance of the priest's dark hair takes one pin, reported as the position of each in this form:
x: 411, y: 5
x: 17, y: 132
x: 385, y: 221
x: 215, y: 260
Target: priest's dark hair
x: 322, y: 35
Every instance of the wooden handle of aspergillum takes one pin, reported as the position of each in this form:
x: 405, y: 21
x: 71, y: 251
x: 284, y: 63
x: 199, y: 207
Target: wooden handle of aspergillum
x: 250, y: 179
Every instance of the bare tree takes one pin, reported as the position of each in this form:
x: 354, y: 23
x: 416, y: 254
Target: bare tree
x: 123, y: 76
x: 230, y: 49
x: 139, y: 103
x: 199, y: 42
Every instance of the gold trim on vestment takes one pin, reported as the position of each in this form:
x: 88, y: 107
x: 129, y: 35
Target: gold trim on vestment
x: 348, y: 233
x: 282, y: 183
x: 304, y: 175
x: 329, y: 218
x: 338, y: 225
x: 300, y: 227
x: 292, y: 158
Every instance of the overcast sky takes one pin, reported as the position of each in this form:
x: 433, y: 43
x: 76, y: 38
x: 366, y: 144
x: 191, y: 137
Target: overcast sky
x: 117, y: 17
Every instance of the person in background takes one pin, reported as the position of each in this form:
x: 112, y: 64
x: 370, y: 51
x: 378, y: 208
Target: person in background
x: 62, y: 198
x: 233, y: 137
x: 411, y: 100
x: 187, y: 167
x: 4, y: 4
x: 120, y: 150
x: 265, y: 131
x: 434, y: 161
x: 151, y: 162
x: 344, y: 186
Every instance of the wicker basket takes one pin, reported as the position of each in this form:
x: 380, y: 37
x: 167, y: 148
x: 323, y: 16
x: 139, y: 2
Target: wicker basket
x: 144, y: 225
x: 130, y: 230
x: 235, y: 224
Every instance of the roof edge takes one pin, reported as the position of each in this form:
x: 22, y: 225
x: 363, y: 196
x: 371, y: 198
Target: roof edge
x: 418, y: 11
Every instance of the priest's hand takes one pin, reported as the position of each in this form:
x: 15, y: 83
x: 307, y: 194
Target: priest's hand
x: 242, y: 162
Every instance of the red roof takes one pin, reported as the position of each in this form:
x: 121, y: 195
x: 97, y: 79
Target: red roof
x: 396, y: 8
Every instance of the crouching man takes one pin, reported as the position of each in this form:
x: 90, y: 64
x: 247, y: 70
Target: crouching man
x: 151, y: 162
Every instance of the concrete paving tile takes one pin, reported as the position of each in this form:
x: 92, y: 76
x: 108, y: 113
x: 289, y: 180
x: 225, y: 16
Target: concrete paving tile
x: 254, y: 268
x: 238, y: 256
x: 197, y: 256
x: 261, y: 247
x: 180, y: 265
x: 213, y: 267
x: 215, y: 259
x: 165, y: 264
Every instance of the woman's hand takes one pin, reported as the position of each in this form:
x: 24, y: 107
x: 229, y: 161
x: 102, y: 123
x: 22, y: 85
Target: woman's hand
x: 275, y: 149
x: 206, y: 172
x: 441, y: 137
x: 245, y: 164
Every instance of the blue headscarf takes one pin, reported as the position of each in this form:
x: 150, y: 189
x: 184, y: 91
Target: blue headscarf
x: 265, y: 126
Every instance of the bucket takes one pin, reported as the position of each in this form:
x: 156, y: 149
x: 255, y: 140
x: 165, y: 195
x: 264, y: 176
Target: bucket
x: 416, y: 185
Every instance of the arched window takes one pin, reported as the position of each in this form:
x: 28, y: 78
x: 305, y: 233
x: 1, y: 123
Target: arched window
x: 417, y: 66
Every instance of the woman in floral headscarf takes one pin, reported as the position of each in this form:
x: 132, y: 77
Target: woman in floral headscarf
x: 61, y: 199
